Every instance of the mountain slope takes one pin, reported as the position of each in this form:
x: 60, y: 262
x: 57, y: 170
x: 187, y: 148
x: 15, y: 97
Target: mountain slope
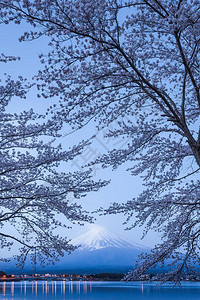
x: 99, y: 238
x: 101, y: 251
x: 98, y: 251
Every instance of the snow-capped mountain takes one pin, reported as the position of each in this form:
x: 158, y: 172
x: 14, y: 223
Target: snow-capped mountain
x: 98, y: 251
x: 99, y: 238
x: 101, y: 251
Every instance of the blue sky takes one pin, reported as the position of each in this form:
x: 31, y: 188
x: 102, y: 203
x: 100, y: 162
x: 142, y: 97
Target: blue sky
x: 123, y: 186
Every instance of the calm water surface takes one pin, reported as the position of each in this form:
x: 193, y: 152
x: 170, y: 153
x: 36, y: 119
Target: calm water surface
x: 58, y: 290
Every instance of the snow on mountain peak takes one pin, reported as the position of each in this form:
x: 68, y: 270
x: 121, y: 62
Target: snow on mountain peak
x: 98, y: 237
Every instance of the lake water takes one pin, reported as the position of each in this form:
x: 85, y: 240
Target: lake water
x: 58, y: 290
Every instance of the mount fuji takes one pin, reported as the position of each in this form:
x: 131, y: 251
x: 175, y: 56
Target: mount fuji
x: 98, y: 251
x: 102, y: 251
x: 99, y: 238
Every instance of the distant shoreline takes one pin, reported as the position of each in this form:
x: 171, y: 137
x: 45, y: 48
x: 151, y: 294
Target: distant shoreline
x: 104, y: 277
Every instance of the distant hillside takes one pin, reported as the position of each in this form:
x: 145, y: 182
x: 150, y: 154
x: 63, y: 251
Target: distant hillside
x: 99, y: 251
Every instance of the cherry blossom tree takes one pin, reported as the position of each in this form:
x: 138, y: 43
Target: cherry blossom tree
x: 135, y: 61
x: 33, y: 193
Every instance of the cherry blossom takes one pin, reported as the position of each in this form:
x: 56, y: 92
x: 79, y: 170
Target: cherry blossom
x: 33, y: 192
x: 137, y: 59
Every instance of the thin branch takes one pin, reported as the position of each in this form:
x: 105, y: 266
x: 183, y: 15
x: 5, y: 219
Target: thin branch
x: 187, y: 66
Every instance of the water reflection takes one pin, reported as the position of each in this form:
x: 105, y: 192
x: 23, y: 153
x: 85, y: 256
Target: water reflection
x: 4, y: 288
x: 60, y: 290
x: 12, y: 288
x: 64, y: 287
x: 46, y: 288
x: 85, y: 287
x: 52, y: 287
x: 24, y: 287
x: 36, y: 288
